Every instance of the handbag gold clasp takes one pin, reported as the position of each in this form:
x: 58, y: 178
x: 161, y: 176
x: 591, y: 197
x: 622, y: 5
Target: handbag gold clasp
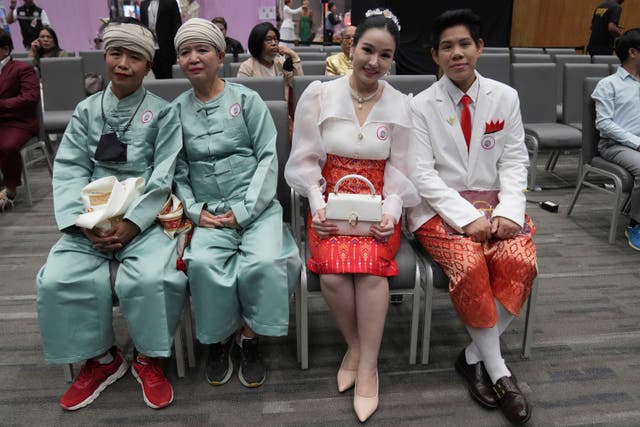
x: 353, y: 219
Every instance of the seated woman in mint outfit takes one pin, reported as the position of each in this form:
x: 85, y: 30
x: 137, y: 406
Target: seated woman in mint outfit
x: 242, y: 263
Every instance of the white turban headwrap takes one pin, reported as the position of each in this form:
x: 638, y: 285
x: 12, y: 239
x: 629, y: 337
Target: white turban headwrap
x: 134, y: 37
x: 198, y: 30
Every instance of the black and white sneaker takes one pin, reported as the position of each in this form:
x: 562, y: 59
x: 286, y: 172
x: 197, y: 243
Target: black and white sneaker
x: 219, y: 362
x: 252, y: 371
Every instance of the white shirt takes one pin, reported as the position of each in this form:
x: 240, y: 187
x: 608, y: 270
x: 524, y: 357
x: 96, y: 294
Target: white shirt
x: 326, y: 123
x: 153, y: 18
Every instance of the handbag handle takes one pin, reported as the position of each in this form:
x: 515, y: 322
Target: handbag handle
x: 354, y: 176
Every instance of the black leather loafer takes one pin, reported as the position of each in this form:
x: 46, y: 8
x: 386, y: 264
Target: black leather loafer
x: 513, y: 403
x: 478, y: 380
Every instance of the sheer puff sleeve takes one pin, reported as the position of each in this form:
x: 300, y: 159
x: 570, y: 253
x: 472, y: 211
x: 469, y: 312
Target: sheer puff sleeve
x: 303, y: 170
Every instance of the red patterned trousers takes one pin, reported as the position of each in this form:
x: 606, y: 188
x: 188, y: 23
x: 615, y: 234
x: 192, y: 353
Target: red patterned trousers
x: 480, y: 272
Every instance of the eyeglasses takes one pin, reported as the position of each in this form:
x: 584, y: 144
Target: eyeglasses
x: 271, y: 39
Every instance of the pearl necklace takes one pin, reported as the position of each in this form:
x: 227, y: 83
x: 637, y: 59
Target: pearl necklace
x: 362, y: 99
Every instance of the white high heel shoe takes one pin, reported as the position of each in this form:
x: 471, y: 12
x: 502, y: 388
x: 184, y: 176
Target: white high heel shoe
x: 346, y: 378
x: 365, y: 406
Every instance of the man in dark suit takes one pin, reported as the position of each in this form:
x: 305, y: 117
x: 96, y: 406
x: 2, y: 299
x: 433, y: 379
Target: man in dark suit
x: 163, y: 19
x: 19, y: 96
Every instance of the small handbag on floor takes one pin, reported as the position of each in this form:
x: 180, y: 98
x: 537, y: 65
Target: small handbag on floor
x: 354, y: 213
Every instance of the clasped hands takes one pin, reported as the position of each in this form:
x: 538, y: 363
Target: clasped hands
x: 481, y: 229
x: 209, y: 220
x: 381, y: 231
x: 114, y: 238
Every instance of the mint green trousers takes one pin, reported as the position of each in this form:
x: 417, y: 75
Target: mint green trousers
x: 243, y: 276
x: 74, y: 296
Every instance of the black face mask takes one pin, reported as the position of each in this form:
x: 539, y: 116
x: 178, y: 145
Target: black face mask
x: 111, y: 149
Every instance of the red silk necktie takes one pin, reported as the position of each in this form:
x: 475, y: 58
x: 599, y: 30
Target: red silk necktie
x: 465, y: 119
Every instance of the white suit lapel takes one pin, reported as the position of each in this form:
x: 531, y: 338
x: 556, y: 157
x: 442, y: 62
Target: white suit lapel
x: 480, y: 117
x: 451, y: 121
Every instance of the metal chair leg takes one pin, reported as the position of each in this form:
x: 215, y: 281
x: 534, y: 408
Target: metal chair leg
x: 528, y: 321
x: 68, y: 372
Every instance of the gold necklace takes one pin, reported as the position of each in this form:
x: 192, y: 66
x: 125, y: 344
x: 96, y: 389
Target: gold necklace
x: 362, y: 99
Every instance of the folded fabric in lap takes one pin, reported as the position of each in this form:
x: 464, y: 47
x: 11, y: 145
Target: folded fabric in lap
x: 107, y: 200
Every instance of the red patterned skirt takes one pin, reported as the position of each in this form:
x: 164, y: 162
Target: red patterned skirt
x: 353, y: 254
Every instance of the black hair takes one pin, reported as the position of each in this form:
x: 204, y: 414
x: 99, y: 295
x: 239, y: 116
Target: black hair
x: 5, y: 40
x: 257, y: 36
x: 454, y: 17
x: 330, y: 5
x: 54, y: 36
x: 630, y: 39
x: 377, y: 21
x: 220, y: 20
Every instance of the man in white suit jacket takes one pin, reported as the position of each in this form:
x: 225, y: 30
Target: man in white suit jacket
x: 470, y: 168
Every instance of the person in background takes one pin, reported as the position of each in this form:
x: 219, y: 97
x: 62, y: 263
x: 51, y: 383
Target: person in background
x: 31, y: 19
x: 617, y: 99
x: 287, y: 28
x: 268, y: 58
x: 19, y: 96
x: 469, y: 162
x: 339, y: 64
x: 331, y: 19
x: 234, y: 47
x: 242, y: 263
x: 162, y: 17
x: 306, y: 24
x: 605, y: 27
x: 189, y: 9
x: 356, y: 124
x: 46, y: 46
x: 126, y: 132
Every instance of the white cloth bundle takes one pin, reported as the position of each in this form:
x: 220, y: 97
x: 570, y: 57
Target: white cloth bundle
x: 107, y: 200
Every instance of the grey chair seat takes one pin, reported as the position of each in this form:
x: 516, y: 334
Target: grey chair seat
x: 554, y: 135
x: 625, y: 177
x: 57, y: 120
x: 577, y: 125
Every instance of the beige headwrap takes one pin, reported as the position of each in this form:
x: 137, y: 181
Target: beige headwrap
x: 134, y: 37
x: 198, y: 30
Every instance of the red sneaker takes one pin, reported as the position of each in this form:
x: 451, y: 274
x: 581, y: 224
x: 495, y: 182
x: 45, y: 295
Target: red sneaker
x: 92, y: 379
x: 156, y: 389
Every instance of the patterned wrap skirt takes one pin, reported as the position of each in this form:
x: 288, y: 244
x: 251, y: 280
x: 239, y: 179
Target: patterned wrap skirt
x: 353, y: 254
x: 480, y: 272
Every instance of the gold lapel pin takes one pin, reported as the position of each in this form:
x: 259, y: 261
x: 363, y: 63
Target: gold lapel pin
x: 450, y: 120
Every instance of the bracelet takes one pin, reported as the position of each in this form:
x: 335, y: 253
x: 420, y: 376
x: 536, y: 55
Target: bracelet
x: 297, y: 61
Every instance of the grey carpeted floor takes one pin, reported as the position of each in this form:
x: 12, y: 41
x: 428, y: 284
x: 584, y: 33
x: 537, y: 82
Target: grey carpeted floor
x: 584, y: 367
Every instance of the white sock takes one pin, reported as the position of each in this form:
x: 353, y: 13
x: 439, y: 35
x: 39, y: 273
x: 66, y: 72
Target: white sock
x: 487, y: 340
x: 472, y: 352
x: 105, y: 359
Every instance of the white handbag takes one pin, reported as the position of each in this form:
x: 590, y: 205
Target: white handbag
x: 354, y: 213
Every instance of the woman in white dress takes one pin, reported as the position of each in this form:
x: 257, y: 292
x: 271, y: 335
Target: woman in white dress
x: 356, y: 124
x: 287, y: 30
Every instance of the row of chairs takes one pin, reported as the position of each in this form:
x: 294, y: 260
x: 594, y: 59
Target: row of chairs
x: 537, y: 84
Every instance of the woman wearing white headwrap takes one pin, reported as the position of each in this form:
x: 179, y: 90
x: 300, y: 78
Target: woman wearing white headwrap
x: 242, y: 264
x: 114, y: 133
